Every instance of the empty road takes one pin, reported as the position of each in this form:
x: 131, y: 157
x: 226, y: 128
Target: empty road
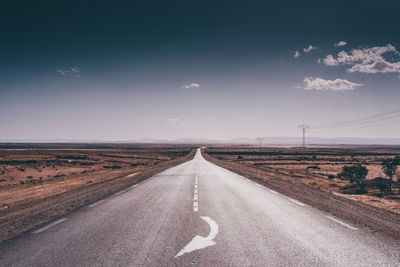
x: 198, y: 213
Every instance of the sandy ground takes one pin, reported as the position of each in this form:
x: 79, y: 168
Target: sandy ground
x: 40, y: 184
x: 318, y: 167
x: 355, y: 209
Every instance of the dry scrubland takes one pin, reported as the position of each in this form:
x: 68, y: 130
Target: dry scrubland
x: 42, y: 181
x: 318, y: 168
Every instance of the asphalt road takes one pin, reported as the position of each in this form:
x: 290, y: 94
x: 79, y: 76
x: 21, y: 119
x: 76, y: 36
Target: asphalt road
x: 198, y: 214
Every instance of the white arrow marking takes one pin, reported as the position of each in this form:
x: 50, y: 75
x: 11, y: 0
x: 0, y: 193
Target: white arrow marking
x: 199, y: 242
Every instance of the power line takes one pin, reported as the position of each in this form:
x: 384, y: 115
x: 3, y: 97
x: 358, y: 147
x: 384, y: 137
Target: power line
x: 289, y: 133
x: 393, y: 114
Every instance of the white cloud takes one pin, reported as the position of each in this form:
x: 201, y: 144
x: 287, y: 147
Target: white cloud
x: 340, y: 44
x: 75, y: 71
x: 366, y: 60
x: 175, y: 120
x: 296, y: 54
x: 309, y: 49
x: 381, y: 66
x: 192, y: 85
x: 330, y: 61
x: 334, y: 85
x: 63, y: 72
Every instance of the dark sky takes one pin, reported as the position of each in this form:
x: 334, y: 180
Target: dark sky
x: 91, y: 66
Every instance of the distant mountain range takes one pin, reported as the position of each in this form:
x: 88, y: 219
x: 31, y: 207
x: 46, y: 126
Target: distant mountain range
x: 234, y: 141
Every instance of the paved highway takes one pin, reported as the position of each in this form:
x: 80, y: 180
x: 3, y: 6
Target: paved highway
x: 198, y: 213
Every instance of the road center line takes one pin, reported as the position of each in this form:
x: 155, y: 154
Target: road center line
x: 342, y: 223
x: 96, y: 203
x: 196, y: 197
x: 48, y: 226
x: 195, y: 206
x: 296, y: 202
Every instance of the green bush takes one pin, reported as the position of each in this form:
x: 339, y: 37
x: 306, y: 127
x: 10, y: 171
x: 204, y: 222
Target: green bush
x: 356, y: 175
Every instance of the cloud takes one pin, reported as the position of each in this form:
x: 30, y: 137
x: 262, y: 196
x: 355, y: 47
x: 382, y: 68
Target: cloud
x: 334, y: 85
x: 340, y: 44
x: 366, y: 60
x: 381, y: 66
x: 174, y: 120
x: 330, y: 61
x: 192, y: 85
x: 296, y: 54
x: 63, y: 72
x: 74, y: 71
x: 309, y: 49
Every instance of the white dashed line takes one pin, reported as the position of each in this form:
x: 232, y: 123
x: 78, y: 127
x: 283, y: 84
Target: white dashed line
x: 296, y: 202
x: 96, y: 203
x: 342, y: 223
x: 195, y: 195
x: 119, y: 193
x: 48, y: 226
x: 132, y: 174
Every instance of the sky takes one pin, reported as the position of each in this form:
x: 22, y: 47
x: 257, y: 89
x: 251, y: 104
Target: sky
x: 127, y: 70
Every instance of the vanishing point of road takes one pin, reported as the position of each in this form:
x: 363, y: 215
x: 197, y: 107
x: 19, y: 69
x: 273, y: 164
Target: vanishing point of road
x: 198, y: 214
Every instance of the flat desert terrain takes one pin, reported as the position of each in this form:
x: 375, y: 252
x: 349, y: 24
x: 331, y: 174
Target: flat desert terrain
x: 317, y: 167
x: 32, y: 176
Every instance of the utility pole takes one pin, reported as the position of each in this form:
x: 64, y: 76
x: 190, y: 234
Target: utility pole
x: 303, y: 127
x: 260, y: 139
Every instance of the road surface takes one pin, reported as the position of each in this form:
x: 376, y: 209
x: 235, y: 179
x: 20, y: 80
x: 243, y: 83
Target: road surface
x: 198, y: 214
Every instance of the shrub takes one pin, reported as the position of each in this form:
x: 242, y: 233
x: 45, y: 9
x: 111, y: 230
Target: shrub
x: 389, y: 167
x: 112, y: 167
x: 313, y: 167
x: 355, y: 175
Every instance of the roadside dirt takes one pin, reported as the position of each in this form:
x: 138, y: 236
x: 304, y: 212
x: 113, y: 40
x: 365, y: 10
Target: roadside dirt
x: 372, y: 218
x: 27, y: 205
